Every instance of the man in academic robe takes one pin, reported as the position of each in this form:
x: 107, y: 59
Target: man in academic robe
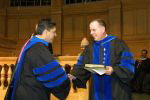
x: 141, y: 81
x: 111, y: 52
x: 38, y: 73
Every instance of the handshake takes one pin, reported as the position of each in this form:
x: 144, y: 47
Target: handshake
x: 71, y: 77
x: 93, y: 68
x: 87, y: 68
x: 68, y: 70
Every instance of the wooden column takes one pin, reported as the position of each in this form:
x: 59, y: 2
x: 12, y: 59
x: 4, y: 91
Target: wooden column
x: 2, y: 77
x: 9, y: 73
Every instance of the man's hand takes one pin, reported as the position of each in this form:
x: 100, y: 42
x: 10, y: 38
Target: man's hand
x: 109, y: 70
x: 71, y: 77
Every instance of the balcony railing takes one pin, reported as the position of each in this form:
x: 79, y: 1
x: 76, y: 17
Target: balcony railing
x: 80, y: 1
x: 14, y: 3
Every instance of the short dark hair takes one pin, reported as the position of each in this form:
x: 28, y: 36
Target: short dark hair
x: 144, y: 51
x: 101, y: 22
x: 44, y: 24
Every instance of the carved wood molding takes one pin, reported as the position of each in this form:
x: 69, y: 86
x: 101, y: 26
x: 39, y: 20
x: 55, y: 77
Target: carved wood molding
x: 136, y: 38
x: 7, y: 43
x: 8, y: 60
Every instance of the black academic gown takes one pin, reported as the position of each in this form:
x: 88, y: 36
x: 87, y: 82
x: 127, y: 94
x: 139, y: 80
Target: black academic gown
x: 30, y: 86
x: 141, y: 80
x: 39, y: 76
x: 115, y: 86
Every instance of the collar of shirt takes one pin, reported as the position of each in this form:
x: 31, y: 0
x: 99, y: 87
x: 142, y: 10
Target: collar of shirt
x: 100, y: 41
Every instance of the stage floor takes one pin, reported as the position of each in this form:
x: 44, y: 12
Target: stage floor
x: 80, y: 95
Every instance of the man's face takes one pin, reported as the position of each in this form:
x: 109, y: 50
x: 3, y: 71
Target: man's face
x: 97, y: 31
x: 50, y: 35
x: 143, y: 54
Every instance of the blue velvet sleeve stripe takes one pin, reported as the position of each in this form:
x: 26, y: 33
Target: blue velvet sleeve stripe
x: 59, y: 76
x: 128, y: 66
x: 130, y: 61
x: 127, y: 54
x: 52, y: 69
x: 51, y: 75
x: 80, y: 60
x: 127, y: 61
x: 45, y: 68
x: 57, y: 82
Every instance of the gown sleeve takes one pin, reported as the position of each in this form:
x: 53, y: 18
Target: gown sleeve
x: 81, y: 74
x: 48, y: 72
x: 124, y: 68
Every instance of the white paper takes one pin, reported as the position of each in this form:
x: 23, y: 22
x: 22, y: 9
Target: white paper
x: 100, y: 71
x: 94, y: 68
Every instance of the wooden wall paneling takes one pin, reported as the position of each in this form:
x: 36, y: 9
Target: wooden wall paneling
x: 24, y: 29
x: 9, y: 52
x: 129, y: 22
x: 78, y: 27
x: 71, y: 49
x: 30, y: 11
x: 74, y: 31
x: 7, y: 47
x: 134, y: 1
x: 137, y: 15
x: 2, y: 22
x: 68, y: 28
x: 115, y: 21
x: 2, y: 26
x: 148, y: 16
x: 57, y: 3
x: 2, y: 3
x: 86, y: 8
x: 76, y: 20
x: 141, y: 21
x: 13, y: 26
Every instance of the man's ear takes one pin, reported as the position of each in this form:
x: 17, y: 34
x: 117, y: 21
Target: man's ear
x: 45, y: 31
x: 103, y: 29
x: 36, y: 27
